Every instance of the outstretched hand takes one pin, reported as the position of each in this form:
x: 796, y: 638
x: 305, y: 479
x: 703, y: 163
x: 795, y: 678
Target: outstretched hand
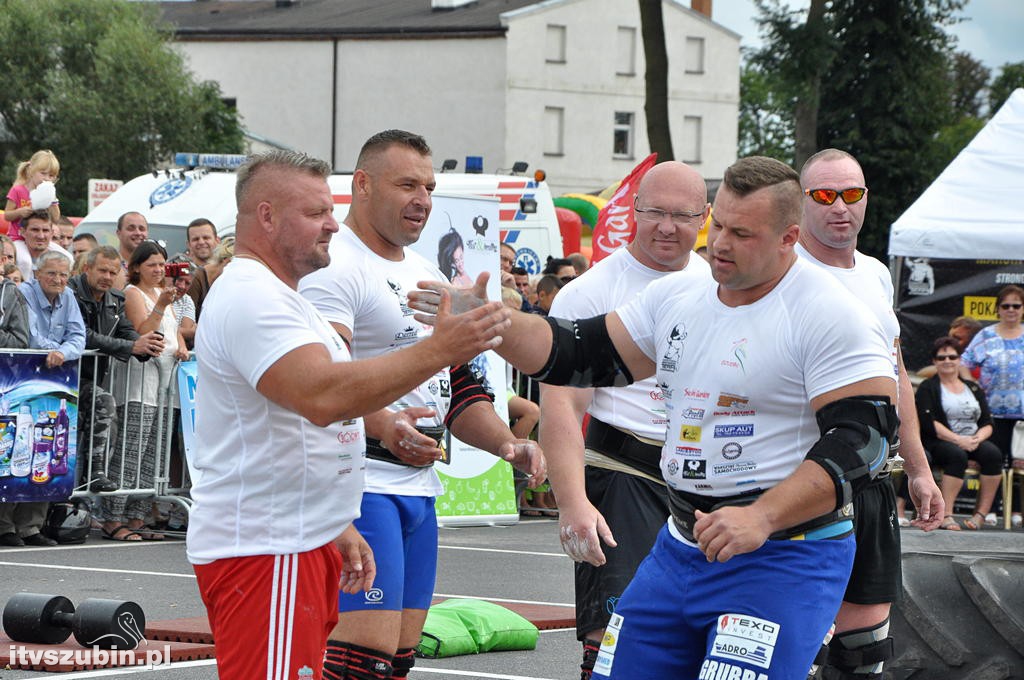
x: 458, y: 337
x: 427, y: 299
x: 526, y: 456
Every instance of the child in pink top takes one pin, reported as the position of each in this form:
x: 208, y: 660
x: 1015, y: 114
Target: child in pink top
x: 42, y: 167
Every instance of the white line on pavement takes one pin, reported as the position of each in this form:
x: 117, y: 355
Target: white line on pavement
x: 98, y: 569
x: 507, y: 552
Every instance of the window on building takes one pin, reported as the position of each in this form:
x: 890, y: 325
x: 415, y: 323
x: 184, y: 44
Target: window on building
x: 625, y: 58
x: 554, y: 131
x: 694, y: 58
x: 691, y: 139
x: 556, y: 44
x: 622, y: 141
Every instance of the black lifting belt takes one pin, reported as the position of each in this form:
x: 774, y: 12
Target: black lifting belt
x: 375, y: 447
x: 623, y: 447
x: 683, y: 506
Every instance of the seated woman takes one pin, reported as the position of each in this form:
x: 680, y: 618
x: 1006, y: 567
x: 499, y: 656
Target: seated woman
x: 955, y: 426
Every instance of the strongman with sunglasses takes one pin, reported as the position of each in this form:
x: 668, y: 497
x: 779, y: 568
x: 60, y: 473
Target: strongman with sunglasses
x: 835, y: 199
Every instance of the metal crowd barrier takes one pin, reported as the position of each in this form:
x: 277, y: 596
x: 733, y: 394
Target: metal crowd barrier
x: 170, y: 483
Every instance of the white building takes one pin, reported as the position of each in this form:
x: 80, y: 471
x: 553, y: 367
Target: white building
x: 558, y: 84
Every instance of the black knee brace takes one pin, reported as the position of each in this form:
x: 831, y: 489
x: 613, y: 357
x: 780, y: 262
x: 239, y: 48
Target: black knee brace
x: 859, y: 654
x: 346, y: 661
x: 590, y: 651
x: 405, y: 659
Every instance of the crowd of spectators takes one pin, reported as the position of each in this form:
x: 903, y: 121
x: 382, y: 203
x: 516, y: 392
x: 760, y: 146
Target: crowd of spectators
x: 65, y: 293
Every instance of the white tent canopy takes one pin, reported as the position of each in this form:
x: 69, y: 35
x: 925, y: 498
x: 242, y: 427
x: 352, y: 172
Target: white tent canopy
x: 973, y: 210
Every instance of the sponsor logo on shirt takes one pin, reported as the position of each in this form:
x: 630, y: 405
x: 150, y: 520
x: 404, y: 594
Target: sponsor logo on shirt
x: 702, y: 486
x: 689, y: 393
x: 731, y: 451
x: 695, y: 469
x: 729, y: 400
x: 689, y: 433
x: 721, y: 469
x: 693, y: 414
x: 688, y: 451
x: 674, y: 352
x: 407, y: 335
x: 396, y: 288
x: 740, y: 430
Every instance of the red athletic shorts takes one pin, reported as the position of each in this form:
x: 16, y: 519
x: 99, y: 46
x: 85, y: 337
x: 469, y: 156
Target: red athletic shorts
x: 271, y: 614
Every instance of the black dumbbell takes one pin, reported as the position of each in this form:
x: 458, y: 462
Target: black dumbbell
x: 51, y: 619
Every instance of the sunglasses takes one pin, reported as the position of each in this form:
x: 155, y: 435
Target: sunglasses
x: 829, y: 196
x: 566, y: 279
x: 1011, y: 305
x: 947, y: 357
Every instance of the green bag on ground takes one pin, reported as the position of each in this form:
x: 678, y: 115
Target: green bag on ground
x: 455, y: 627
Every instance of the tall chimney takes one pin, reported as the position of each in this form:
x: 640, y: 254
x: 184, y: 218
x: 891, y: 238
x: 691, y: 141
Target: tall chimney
x: 702, y: 6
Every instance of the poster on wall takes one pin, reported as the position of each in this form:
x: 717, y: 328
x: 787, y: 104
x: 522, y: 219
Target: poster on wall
x: 38, y: 427
x: 932, y: 292
x: 461, y: 237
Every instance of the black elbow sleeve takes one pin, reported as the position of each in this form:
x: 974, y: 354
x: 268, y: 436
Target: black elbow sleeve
x: 583, y: 355
x: 856, y: 440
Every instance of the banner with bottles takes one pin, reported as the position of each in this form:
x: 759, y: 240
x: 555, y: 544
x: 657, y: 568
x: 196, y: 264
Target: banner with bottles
x: 38, y: 427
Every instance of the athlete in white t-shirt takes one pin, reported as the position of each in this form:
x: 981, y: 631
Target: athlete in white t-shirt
x: 363, y: 295
x: 620, y: 492
x: 279, y: 456
x: 835, y: 200
x: 779, y: 392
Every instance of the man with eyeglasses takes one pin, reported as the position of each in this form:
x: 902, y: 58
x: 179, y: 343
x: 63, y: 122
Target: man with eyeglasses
x: 55, y: 324
x: 609, y: 486
x: 835, y: 200
x: 37, y: 231
x: 779, y: 396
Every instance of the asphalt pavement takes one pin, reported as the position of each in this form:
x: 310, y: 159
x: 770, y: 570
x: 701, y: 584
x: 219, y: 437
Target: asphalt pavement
x: 521, y: 563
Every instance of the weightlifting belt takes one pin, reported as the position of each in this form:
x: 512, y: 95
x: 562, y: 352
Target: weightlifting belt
x: 836, y: 524
x: 376, y: 450
x: 623, y: 447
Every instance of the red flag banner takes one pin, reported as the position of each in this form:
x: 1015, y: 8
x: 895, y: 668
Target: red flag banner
x: 615, y: 224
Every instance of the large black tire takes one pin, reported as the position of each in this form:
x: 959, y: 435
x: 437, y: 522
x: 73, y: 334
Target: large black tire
x: 960, y: 617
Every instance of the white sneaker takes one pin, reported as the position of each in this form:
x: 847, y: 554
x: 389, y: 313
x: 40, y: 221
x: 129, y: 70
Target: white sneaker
x: 1016, y: 521
x: 903, y: 522
x: 990, y: 519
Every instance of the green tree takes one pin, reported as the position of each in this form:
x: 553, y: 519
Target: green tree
x: 1011, y: 76
x: 652, y: 27
x: 969, y: 81
x: 766, y: 126
x: 97, y: 82
x: 885, y: 96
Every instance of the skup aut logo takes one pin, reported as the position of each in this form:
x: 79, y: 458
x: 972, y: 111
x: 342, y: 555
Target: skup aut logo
x: 374, y: 595
x: 741, y: 430
x: 169, y: 190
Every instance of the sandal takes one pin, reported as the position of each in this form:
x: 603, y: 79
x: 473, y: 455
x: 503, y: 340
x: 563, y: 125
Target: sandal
x: 975, y: 522
x: 116, y: 535
x: 949, y: 523
x: 145, y: 533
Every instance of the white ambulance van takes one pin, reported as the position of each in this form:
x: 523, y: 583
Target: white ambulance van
x: 205, y: 187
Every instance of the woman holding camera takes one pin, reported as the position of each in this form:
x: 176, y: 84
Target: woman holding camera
x: 141, y: 390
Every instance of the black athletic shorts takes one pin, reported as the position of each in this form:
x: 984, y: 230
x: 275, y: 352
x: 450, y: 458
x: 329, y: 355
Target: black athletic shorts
x: 636, y: 509
x: 877, y: 575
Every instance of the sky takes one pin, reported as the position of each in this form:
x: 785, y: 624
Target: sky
x: 992, y: 32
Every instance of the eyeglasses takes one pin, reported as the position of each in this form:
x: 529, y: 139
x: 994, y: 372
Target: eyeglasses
x: 829, y: 196
x: 947, y: 357
x: 655, y: 216
x: 1011, y: 305
x: 55, y: 275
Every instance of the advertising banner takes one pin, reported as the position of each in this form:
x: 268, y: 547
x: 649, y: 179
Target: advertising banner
x: 461, y: 236
x: 615, y: 224
x: 932, y: 292
x: 38, y: 427
x: 188, y: 373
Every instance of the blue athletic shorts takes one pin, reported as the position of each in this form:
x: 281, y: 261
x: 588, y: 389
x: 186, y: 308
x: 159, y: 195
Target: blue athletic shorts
x: 402, y: 532
x: 759, y: 616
